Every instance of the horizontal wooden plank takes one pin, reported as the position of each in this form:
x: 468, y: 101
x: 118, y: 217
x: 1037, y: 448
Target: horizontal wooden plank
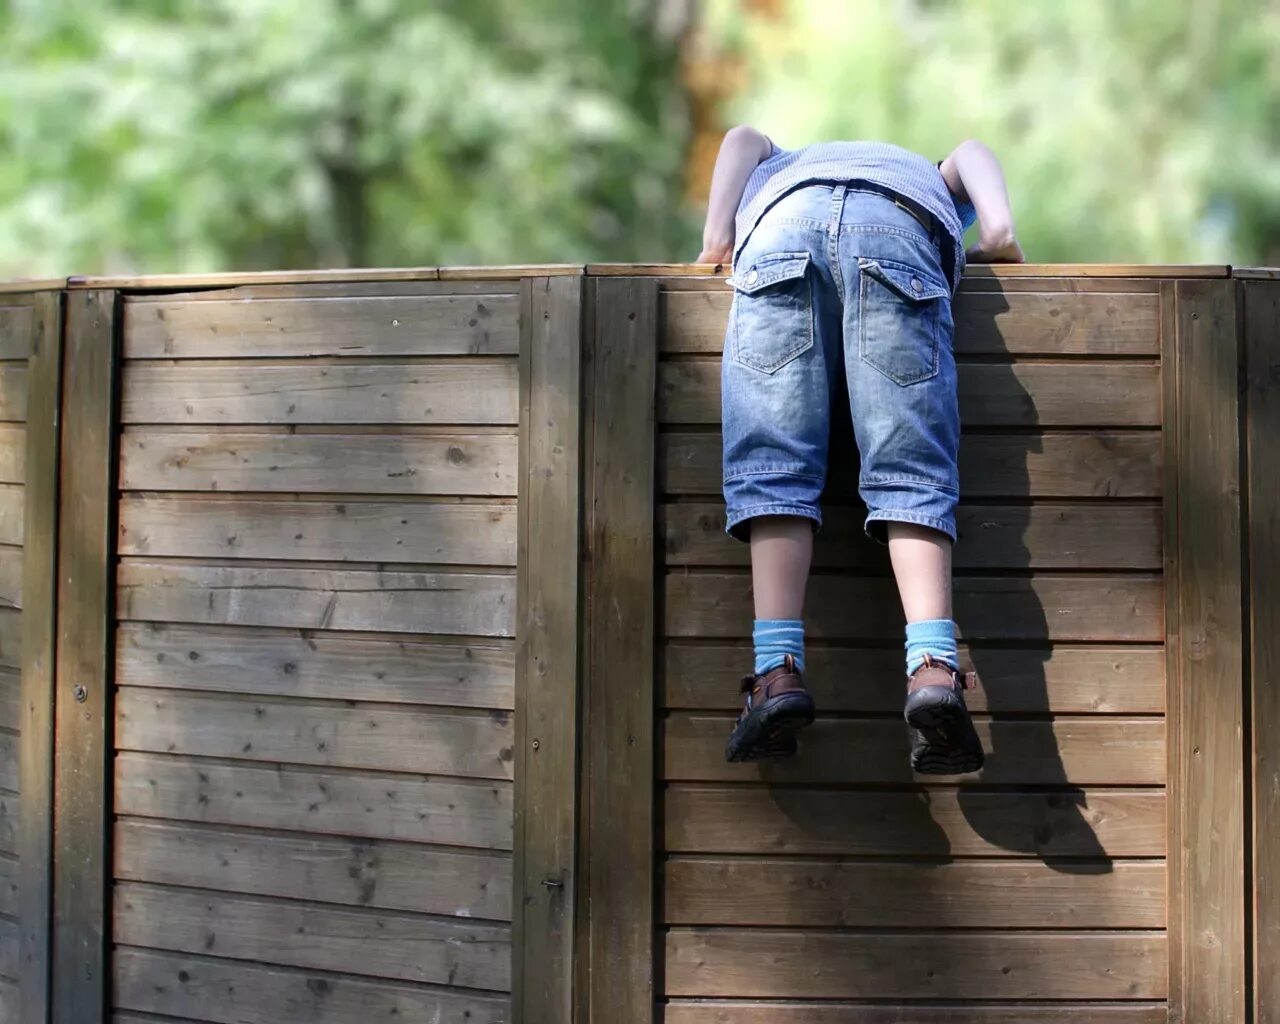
x: 394, y: 602
x: 1081, y: 751
x: 1022, y: 394
x: 10, y: 954
x: 290, y: 664
x: 19, y: 285
x: 939, y: 822
x: 1093, y: 608
x: 444, y: 533
x: 1020, y: 323
x: 9, y: 887
x: 10, y: 638
x: 429, y: 740
x: 923, y: 965
x: 351, y: 872
x: 974, y: 270
x: 451, y: 812
x: 10, y: 698
x: 10, y: 811
x: 13, y: 392
x: 10, y: 1000
x: 386, y: 945
x: 388, y: 325
x: 446, y: 463
x: 457, y: 391
x: 1053, y: 680
x: 740, y: 1011
x: 228, y: 992
x: 1098, y: 464
x: 10, y: 577
x: 1040, y: 536
x: 12, y: 501
x: 9, y: 781
x: 964, y: 894
x: 13, y: 453
x: 17, y: 331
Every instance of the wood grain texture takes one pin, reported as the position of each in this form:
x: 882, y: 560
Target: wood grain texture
x: 1262, y: 426
x: 620, y: 658
x: 976, y: 965
x: 548, y: 675
x: 462, y: 954
x: 1208, y: 840
x: 13, y: 453
x: 397, y: 602
x: 1080, y: 751
x: 432, y: 741
x: 1090, y: 608
x: 81, y: 779
x: 382, y: 326
x: 12, y: 502
x: 39, y: 533
x: 741, y: 1011
x: 1039, y: 536
x: 304, y: 664
x: 973, y: 271
x: 1018, y: 323
x: 348, y: 872
x: 937, y: 822
x: 9, y: 890
x: 1021, y: 394
x: 10, y: 639
x: 11, y: 577
x: 228, y: 992
x: 17, y: 327
x: 13, y: 392
x: 1054, y: 680
x: 445, y: 463
x: 447, y: 811
x: 455, y: 391
x: 359, y: 531
x: 1100, y: 464
x: 966, y: 894
x: 10, y: 949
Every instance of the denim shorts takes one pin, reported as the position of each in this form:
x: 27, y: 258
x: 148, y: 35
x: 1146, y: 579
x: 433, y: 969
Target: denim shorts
x: 837, y: 292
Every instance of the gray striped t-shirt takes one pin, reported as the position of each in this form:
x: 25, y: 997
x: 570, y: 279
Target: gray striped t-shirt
x: 880, y: 163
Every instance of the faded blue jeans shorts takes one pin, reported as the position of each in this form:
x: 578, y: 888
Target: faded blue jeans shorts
x: 839, y: 286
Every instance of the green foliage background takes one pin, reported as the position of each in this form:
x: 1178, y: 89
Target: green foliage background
x: 169, y: 135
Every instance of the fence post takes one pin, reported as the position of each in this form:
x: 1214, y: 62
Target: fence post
x: 83, y: 712
x: 1205, y: 651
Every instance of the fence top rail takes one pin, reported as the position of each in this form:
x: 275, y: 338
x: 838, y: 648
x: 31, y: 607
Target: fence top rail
x: 44, y: 284
x: 1257, y: 273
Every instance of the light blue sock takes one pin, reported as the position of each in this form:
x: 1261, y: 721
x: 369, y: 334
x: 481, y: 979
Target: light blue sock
x: 934, y: 637
x: 774, y: 639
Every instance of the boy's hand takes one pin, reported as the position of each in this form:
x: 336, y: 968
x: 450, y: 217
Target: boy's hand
x: 719, y: 253
x: 1001, y: 248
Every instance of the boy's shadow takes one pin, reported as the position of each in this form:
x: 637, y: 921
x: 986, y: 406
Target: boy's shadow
x: 1023, y: 801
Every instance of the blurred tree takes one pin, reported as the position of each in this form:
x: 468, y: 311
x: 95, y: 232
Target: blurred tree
x: 171, y: 135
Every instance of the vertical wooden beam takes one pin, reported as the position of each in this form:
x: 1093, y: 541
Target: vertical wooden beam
x: 86, y: 535
x: 620, y: 663
x: 39, y: 601
x: 547, y: 683
x: 1207, y: 838
x: 1262, y: 491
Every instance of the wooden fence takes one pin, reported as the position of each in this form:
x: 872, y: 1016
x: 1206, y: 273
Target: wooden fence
x: 368, y: 642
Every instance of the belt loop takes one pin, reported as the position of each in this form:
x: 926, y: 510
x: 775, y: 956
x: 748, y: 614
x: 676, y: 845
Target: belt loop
x: 837, y: 207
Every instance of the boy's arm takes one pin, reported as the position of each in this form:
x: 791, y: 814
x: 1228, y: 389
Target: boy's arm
x: 973, y: 174
x: 741, y: 152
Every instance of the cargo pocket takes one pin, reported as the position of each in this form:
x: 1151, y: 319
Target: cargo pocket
x: 901, y: 310
x: 772, y: 311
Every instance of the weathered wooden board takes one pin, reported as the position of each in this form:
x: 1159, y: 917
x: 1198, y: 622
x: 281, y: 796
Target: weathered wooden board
x: 17, y: 329
x: 938, y: 965
x: 13, y: 453
x: 10, y: 953
x: 1055, y: 680
x: 1079, y: 750
x: 428, y: 740
x: 1094, y: 608
x: 390, y: 325
x: 1039, y: 536
x: 8, y: 887
x: 451, y: 812
x: 742, y: 1011
x: 965, y: 894
x: 937, y: 822
x: 13, y: 392
x: 352, y: 872
x: 456, y: 391
x: 444, y: 463
x: 1019, y: 323
x: 10, y: 817
x: 227, y: 992
x: 12, y: 500
x: 10, y: 699
x: 1097, y: 464
x: 299, y: 664
x: 405, y: 947
x: 10, y: 638
x: 1021, y: 394
x: 443, y: 533
x: 9, y: 762
x: 10, y: 577
x: 395, y: 602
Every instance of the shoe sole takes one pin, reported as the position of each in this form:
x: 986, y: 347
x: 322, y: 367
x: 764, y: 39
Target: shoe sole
x: 770, y: 731
x: 945, y: 741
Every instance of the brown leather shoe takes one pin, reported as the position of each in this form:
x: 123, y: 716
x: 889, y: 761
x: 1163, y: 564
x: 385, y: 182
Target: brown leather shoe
x: 943, y: 739
x: 777, y: 706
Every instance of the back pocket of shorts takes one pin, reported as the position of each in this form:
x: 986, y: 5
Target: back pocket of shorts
x: 772, y: 311
x: 900, y: 313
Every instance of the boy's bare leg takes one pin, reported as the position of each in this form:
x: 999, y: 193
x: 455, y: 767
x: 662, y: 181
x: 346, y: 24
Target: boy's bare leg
x: 781, y: 550
x: 922, y: 566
